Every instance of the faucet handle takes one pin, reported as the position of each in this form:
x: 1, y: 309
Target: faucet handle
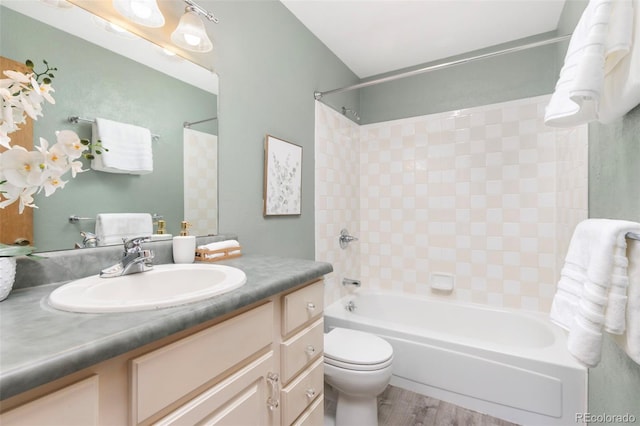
x: 135, y: 244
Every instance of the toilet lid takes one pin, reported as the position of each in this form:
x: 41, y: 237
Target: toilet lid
x: 356, y: 347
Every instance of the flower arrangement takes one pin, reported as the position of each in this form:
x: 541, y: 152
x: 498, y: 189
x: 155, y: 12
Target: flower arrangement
x: 24, y: 173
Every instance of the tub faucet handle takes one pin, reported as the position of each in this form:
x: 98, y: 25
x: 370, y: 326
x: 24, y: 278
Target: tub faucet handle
x: 344, y: 238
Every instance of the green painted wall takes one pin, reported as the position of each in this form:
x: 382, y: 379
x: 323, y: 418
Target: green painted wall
x: 502, y: 78
x: 614, y: 192
x: 269, y: 66
x: 614, y: 155
x: 94, y: 82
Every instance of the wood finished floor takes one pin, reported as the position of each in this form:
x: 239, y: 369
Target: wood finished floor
x: 400, y: 407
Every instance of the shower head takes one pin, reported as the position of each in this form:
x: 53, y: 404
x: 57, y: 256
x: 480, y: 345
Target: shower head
x: 350, y: 111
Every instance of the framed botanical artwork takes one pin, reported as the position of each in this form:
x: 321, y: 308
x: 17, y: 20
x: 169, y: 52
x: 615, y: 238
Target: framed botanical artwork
x: 282, y: 177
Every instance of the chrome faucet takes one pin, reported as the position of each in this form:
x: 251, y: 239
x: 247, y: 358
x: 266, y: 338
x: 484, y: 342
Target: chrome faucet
x: 135, y: 259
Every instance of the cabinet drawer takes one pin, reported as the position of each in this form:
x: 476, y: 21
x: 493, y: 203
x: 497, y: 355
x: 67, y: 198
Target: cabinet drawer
x: 314, y: 416
x: 302, y: 391
x: 162, y: 377
x: 301, y: 349
x: 302, y: 306
x: 238, y: 400
x: 76, y: 404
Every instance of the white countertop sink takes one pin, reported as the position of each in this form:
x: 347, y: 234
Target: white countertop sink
x: 163, y: 286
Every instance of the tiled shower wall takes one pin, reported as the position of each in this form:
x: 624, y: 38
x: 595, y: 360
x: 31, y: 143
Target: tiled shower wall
x: 488, y: 195
x: 337, y: 188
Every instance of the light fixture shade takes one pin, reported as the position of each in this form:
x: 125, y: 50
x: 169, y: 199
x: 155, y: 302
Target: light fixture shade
x: 60, y: 4
x: 190, y: 34
x: 143, y: 12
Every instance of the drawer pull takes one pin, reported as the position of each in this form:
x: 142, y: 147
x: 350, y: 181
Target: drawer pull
x: 274, y: 386
x: 311, y: 306
x: 310, y: 350
x: 311, y: 393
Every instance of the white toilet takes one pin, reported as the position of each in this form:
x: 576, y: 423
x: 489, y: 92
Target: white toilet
x: 358, y: 366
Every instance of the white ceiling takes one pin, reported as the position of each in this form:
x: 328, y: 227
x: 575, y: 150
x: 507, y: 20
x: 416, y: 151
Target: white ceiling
x: 377, y: 36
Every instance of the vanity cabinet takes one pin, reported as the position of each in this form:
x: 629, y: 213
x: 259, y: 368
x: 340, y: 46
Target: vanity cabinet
x: 301, y: 357
x: 72, y: 405
x: 172, y: 373
x: 261, y: 365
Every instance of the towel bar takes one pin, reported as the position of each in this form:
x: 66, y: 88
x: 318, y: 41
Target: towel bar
x: 633, y: 235
x: 74, y: 119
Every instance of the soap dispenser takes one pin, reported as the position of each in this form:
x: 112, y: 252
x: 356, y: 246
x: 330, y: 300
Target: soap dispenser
x: 162, y: 227
x: 184, y: 246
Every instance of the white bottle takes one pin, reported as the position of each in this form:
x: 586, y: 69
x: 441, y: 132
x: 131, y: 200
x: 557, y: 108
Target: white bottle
x: 184, y: 246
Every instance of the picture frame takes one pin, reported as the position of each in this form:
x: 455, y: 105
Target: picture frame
x: 282, y: 195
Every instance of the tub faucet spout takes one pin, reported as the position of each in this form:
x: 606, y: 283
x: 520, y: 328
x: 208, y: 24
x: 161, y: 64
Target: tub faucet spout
x: 134, y: 259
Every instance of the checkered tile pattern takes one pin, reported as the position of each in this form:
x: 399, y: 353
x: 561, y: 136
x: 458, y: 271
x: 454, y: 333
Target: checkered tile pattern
x: 201, y: 182
x: 488, y: 194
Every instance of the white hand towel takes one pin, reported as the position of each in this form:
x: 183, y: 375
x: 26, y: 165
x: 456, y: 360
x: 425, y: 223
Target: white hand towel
x: 622, y: 86
x: 591, y: 293
x: 219, y: 245
x: 111, y: 228
x: 600, y: 41
x: 630, y: 340
x: 129, y: 148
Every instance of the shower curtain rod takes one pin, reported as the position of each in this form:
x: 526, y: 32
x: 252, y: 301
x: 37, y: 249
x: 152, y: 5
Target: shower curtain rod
x: 188, y: 124
x: 318, y: 95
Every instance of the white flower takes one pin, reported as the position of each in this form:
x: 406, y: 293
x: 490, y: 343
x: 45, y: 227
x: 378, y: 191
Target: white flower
x: 70, y: 143
x: 22, y: 167
x: 13, y: 193
x: 52, y: 182
x: 22, y: 95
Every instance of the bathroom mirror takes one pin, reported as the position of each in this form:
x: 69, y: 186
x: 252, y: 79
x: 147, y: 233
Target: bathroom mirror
x: 123, y: 78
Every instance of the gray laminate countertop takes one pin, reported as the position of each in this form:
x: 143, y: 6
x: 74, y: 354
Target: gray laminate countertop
x: 39, y: 344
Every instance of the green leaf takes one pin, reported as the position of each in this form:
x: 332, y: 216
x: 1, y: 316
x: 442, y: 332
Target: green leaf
x: 85, y: 142
x: 46, y: 80
x: 10, y: 251
x: 29, y: 63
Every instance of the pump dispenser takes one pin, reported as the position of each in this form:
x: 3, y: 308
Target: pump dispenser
x: 184, y: 228
x: 162, y: 227
x: 184, y: 246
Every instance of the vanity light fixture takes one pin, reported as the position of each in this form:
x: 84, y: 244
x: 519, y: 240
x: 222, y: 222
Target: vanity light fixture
x: 190, y: 34
x: 143, y: 12
x: 111, y: 27
x: 60, y: 4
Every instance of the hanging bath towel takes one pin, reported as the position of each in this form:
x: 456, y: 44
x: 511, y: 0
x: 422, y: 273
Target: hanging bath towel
x: 600, y: 42
x: 129, y: 148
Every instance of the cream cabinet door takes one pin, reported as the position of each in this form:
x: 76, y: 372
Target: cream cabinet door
x: 241, y: 399
x: 75, y: 404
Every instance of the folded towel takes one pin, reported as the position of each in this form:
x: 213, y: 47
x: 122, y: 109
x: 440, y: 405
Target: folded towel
x: 592, y: 291
x: 111, y: 228
x: 622, y: 86
x: 221, y: 245
x: 602, y: 38
x: 630, y: 340
x: 129, y: 148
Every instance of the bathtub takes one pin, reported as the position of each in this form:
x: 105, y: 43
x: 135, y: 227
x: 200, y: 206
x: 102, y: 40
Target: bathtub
x: 506, y: 363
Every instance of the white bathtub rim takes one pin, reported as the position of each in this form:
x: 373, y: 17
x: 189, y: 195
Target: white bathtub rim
x: 556, y: 353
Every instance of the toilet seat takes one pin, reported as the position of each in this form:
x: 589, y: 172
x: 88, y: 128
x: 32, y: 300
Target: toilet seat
x: 356, y: 350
